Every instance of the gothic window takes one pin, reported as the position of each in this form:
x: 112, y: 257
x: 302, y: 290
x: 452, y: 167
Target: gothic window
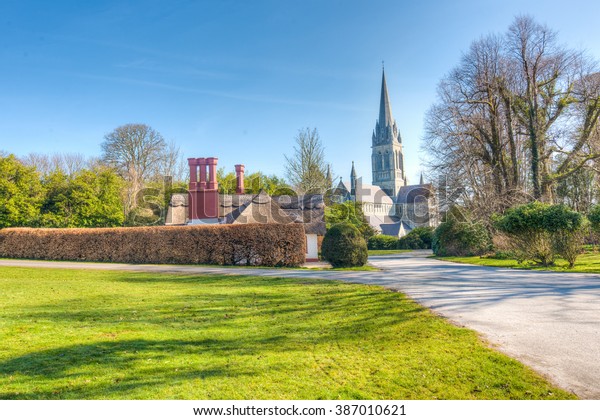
x: 380, y: 163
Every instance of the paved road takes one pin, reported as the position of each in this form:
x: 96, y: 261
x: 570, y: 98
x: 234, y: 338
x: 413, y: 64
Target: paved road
x: 549, y: 321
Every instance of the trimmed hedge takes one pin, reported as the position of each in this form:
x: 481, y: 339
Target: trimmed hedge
x: 251, y: 244
x: 383, y: 242
x: 418, y: 238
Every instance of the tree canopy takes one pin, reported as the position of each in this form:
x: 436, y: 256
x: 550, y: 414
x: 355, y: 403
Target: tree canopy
x: 306, y: 169
x: 20, y: 193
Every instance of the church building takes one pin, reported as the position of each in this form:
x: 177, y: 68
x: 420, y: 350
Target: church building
x: 390, y: 205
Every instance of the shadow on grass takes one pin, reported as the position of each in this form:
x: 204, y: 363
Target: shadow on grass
x: 123, y: 358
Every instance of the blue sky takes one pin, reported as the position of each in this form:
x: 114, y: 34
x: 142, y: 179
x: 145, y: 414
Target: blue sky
x: 237, y: 79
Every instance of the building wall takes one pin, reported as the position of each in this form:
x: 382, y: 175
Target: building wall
x: 312, y: 247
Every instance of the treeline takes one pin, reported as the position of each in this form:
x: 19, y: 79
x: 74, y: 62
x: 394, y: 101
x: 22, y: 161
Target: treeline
x: 130, y: 184
x: 517, y: 120
x: 91, y: 195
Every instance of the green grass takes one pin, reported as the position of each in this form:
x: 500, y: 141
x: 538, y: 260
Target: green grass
x: 374, y: 252
x: 588, y: 262
x: 260, y: 267
x: 73, y: 334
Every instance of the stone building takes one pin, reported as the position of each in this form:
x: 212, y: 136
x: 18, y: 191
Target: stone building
x: 390, y: 205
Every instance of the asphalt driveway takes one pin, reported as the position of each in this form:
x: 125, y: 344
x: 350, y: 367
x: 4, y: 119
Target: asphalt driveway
x: 549, y: 321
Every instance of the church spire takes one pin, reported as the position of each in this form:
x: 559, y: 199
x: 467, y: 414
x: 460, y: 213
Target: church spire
x: 421, y: 180
x: 353, y: 180
x: 385, y: 109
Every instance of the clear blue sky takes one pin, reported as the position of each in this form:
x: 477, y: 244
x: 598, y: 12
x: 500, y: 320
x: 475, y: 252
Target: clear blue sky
x: 237, y: 79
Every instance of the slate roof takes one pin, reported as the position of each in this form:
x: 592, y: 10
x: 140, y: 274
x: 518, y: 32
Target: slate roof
x: 397, y: 229
x: 262, y: 208
x: 366, y: 193
x: 408, y: 193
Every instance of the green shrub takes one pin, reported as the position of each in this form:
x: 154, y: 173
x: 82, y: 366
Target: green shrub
x: 567, y: 228
x: 594, y: 218
x: 382, y: 242
x: 540, y: 231
x: 529, y: 239
x: 503, y: 255
x: 344, y: 246
x: 456, y: 237
x: 418, y: 238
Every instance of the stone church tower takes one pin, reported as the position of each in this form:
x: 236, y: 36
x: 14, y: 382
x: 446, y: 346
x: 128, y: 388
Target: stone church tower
x: 387, y: 159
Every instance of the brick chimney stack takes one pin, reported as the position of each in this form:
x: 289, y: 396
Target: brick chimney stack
x: 239, y: 176
x: 204, y: 191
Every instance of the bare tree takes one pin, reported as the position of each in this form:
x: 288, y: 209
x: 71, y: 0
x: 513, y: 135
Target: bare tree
x: 516, y: 118
x: 545, y: 73
x: 173, y: 164
x: 41, y: 162
x: 68, y: 163
x: 471, y: 138
x: 306, y: 169
x: 136, y: 151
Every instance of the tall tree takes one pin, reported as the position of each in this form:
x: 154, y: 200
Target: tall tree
x: 88, y: 198
x: 306, y: 169
x: 20, y: 193
x: 545, y: 73
x: 137, y: 152
x: 515, y: 119
x: 68, y: 163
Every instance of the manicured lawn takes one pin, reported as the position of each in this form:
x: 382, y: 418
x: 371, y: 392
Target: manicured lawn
x: 72, y: 334
x: 373, y: 252
x: 589, y: 262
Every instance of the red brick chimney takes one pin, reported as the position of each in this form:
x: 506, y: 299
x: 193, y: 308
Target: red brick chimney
x: 203, y: 192
x: 239, y: 176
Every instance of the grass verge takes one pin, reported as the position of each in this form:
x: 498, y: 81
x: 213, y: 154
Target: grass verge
x: 73, y: 334
x: 588, y: 262
x: 375, y: 252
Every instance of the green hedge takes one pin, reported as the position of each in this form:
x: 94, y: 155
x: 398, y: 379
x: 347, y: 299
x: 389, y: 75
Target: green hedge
x: 251, y: 244
x: 383, y: 242
x: 418, y: 238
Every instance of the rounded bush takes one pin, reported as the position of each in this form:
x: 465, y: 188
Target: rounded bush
x: 344, y: 246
